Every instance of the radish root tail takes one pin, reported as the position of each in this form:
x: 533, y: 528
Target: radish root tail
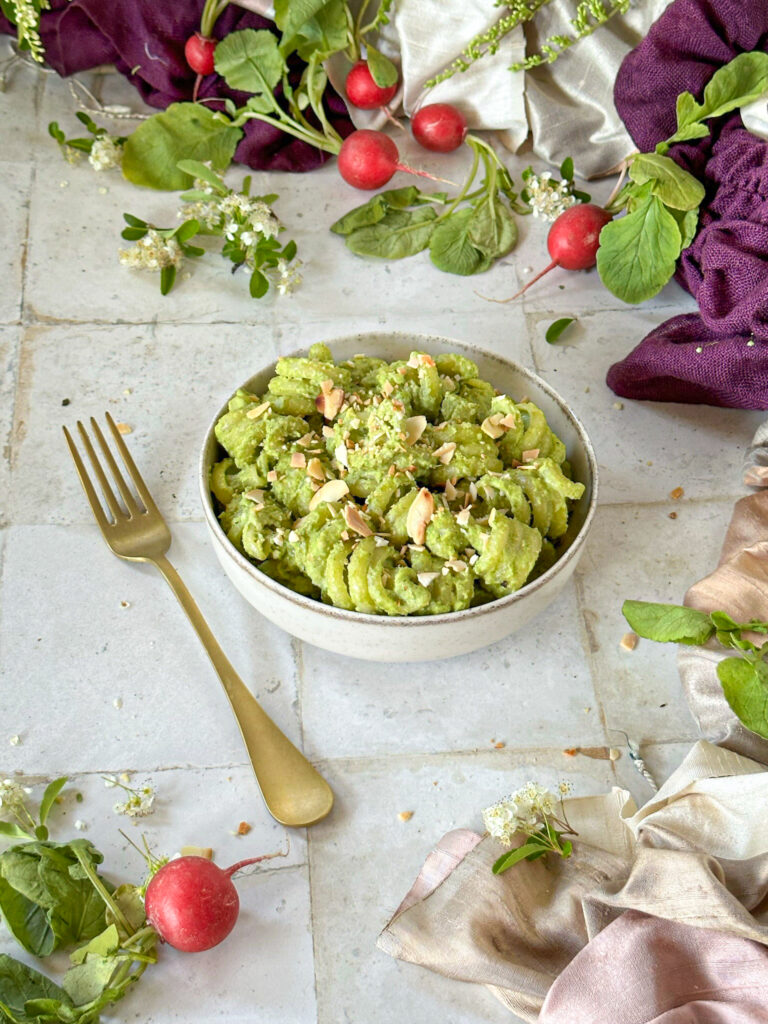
x: 424, y: 174
x: 525, y: 288
x: 255, y: 860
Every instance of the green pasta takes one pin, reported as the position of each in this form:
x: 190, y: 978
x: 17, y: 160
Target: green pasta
x: 404, y: 488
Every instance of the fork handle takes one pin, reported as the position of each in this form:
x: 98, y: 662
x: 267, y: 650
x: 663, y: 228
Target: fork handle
x: 294, y: 792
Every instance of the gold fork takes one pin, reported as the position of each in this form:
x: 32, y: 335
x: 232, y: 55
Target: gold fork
x: 295, y: 794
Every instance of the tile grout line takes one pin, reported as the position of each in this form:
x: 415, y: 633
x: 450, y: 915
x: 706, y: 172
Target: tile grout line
x: 589, y: 645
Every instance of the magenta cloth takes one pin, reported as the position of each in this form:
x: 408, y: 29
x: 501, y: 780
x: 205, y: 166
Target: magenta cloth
x: 145, y: 40
x: 646, y: 970
x: 720, y: 355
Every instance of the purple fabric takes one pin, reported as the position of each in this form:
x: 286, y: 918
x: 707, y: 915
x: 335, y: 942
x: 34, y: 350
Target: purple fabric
x: 145, y: 40
x: 720, y: 355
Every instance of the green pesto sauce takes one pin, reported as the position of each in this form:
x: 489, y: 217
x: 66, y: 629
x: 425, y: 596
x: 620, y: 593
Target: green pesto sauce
x: 404, y: 488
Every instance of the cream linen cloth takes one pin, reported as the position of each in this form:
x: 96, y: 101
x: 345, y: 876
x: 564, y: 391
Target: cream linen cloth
x: 695, y: 857
x: 567, y: 106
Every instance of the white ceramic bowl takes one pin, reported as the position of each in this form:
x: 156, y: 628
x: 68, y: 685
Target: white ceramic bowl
x: 428, y: 637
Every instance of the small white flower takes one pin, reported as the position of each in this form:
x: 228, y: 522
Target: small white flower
x: 289, y: 278
x: 105, y: 153
x: 152, y: 252
x: 80, y: 825
x: 15, y: 741
x: 548, y: 198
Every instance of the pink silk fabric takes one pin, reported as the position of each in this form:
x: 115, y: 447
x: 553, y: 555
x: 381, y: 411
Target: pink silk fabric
x: 645, y: 970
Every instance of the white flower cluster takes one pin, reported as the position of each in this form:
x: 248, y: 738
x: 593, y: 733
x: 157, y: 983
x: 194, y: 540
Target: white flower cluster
x: 235, y: 214
x: 27, y: 21
x: 522, y: 811
x: 105, y: 153
x: 12, y: 798
x: 140, y: 802
x: 152, y: 252
x: 548, y: 198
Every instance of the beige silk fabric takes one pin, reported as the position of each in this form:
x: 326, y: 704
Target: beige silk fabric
x: 738, y: 586
x: 567, y: 106
x: 695, y: 857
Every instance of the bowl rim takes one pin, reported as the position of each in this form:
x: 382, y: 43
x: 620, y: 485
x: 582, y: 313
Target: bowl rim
x: 312, y: 605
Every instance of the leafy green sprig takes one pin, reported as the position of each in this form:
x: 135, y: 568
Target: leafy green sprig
x: 744, y: 678
x: 464, y: 234
x: 246, y: 224
x: 383, y: 71
x: 638, y: 252
x: 51, y: 896
x: 104, y: 150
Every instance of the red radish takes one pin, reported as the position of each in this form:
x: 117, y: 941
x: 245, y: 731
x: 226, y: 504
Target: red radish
x: 362, y: 90
x: 198, y: 50
x: 192, y: 904
x: 573, y: 240
x: 368, y: 159
x: 439, y: 127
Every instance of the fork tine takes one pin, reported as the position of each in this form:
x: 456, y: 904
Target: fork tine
x: 117, y: 476
x: 130, y: 465
x: 85, y: 480
x: 109, y: 494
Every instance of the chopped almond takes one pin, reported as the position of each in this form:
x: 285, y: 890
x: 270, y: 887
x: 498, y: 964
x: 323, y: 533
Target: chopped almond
x: 414, y: 428
x: 340, y: 454
x: 445, y: 452
x: 462, y: 518
x: 244, y: 828
x: 530, y: 454
x: 298, y: 460
x: 272, y: 476
x: 492, y: 426
x: 307, y: 440
x: 255, y: 495
x: 509, y: 421
x: 315, y: 469
x: 405, y: 815
x: 419, y: 515
x: 387, y: 388
x: 391, y: 471
x: 124, y: 428
x: 327, y: 431
x: 330, y: 403
x: 425, y: 578
x: 420, y: 359
x: 450, y: 490
x: 326, y: 386
x: 629, y: 641
x: 334, y: 490
x: 259, y: 410
x: 456, y: 564
x: 355, y: 521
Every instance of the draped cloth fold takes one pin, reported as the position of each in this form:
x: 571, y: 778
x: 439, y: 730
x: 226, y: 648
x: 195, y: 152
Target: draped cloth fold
x: 682, y: 881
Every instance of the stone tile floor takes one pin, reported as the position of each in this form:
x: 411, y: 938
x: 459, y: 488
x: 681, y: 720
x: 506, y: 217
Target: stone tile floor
x: 80, y: 631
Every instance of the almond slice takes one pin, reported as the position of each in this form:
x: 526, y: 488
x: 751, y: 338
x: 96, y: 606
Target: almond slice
x: 445, y: 452
x: 456, y: 564
x: 315, y: 469
x: 530, y: 454
x: 253, y: 414
x: 462, y: 518
x: 327, y: 431
x: 298, y: 460
x: 450, y: 490
x: 255, y: 495
x: 419, y: 515
x: 272, y: 476
x: 387, y: 388
x: 307, y: 440
x: 414, y: 428
x: 425, y: 578
x: 509, y: 421
x: 330, y: 403
x: 340, y: 454
x: 355, y: 521
x: 334, y: 490
x: 326, y: 386
x: 492, y: 426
